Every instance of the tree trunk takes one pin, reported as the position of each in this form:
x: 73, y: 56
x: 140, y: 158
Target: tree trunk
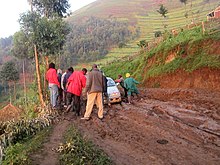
x: 14, y: 83
x: 59, y: 59
x: 185, y: 15
x: 46, y: 60
x: 9, y: 90
x: 38, y: 77
x: 5, y: 88
x: 31, y: 5
x: 25, y: 88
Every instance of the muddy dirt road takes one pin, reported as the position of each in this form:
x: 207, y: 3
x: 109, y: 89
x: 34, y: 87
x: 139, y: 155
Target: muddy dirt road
x: 167, y: 126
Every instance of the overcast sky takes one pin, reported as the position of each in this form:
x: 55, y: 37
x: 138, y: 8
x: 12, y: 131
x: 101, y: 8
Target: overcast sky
x: 11, y: 9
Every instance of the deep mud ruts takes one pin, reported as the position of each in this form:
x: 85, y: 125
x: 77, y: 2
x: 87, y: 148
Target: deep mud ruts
x: 166, y: 126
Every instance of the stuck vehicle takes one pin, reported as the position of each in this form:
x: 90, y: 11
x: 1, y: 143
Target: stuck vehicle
x: 114, y: 95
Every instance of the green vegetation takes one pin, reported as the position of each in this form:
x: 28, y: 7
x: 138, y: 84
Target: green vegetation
x: 5, y: 47
x: 121, y: 67
x: 19, y: 153
x: 50, y: 8
x: 78, y: 150
x: 189, y: 64
x: 44, y: 30
x: 116, y: 41
x: 28, y: 104
x: 188, y: 50
x: 91, y: 39
x: 9, y: 72
x: 162, y: 10
x: 185, y: 37
x: 146, y: 18
x: 13, y: 132
x: 142, y: 44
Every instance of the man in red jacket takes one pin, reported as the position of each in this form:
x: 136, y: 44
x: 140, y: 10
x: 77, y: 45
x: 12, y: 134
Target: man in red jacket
x: 54, y: 84
x: 75, y: 84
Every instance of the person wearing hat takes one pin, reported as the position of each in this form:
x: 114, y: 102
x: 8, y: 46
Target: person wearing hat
x: 130, y: 85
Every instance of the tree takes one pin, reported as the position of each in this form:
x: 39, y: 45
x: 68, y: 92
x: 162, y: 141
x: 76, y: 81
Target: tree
x: 5, y: 46
x: 22, y: 49
x: 95, y: 35
x: 157, y: 34
x: 184, y: 2
x: 30, y: 2
x: 9, y: 74
x: 142, y: 44
x: 50, y: 35
x: 28, y: 22
x: 163, y: 11
x: 49, y: 8
x: 45, y: 29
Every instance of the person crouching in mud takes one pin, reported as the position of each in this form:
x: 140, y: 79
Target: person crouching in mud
x: 130, y: 85
x: 120, y: 80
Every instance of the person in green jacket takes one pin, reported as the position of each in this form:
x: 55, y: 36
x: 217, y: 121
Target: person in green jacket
x: 130, y: 85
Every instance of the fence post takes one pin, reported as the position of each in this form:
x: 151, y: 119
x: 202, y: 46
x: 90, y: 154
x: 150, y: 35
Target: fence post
x: 203, y: 28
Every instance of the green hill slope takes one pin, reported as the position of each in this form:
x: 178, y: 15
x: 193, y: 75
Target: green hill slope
x: 143, y: 14
x: 192, y: 56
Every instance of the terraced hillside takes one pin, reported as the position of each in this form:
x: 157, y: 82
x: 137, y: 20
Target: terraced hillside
x: 175, y: 19
x: 143, y: 13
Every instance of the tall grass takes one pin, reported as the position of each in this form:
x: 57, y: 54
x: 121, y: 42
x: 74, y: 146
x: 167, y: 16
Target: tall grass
x: 77, y: 150
x: 19, y: 154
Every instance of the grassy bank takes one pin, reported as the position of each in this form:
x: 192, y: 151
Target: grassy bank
x: 19, y: 153
x: 190, y: 50
x: 77, y: 150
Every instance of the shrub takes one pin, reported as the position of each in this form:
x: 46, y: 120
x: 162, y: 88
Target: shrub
x: 77, y: 150
x: 157, y: 34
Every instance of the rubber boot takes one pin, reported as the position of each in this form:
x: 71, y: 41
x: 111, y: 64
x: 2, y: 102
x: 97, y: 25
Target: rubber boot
x: 129, y: 99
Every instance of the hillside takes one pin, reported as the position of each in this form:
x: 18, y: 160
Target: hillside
x: 185, y: 54
x: 161, y: 125
x: 5, y: 46
x: 143, y: 15
x: 189, y: 60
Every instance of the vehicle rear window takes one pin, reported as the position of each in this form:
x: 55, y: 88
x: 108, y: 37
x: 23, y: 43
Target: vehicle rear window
x: 110, y: 83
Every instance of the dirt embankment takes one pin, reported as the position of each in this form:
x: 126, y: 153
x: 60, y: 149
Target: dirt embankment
x: 167, y: 126
x: 204, y: 78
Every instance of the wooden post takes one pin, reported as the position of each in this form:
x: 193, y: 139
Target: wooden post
x: 203, y: 28
x: 24, y: 81
x: 45, y: 82
x: 14, y: 83
x: 38, y: 77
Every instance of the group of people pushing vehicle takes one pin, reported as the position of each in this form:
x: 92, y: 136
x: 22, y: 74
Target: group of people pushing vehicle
x: 67, y: 88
